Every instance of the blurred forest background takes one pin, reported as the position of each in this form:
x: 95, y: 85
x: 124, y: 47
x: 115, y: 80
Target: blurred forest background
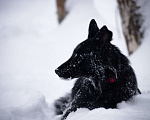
x: 131, y: 21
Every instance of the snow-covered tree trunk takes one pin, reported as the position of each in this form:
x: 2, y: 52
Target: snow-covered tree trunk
x: 131, y: 23
x: 61, y: 11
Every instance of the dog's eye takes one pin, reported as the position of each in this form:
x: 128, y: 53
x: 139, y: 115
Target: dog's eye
x: 76, y: 55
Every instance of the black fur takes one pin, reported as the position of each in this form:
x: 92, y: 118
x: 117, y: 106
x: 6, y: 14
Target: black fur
x: 104, y: 74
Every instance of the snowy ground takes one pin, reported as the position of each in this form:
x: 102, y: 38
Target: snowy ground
x: 32, y: 45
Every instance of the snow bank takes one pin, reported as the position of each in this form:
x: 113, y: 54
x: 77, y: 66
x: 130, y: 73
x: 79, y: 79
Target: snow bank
x: 34, y: 108
x: 136, y: 109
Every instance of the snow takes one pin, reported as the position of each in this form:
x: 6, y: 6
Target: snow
x: 136, y: 109
x: 33, y: 45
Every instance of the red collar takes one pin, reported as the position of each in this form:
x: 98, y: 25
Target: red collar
x: 111, y: 80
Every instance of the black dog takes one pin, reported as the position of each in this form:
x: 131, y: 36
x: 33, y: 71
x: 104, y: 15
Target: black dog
x: 104, y: 74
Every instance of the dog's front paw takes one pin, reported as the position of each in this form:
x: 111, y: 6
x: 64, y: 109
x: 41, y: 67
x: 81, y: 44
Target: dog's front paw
x: 64, y: 116
x: 67, y: 112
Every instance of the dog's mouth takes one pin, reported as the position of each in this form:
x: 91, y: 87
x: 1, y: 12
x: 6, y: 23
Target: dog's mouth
x: 64, y: 74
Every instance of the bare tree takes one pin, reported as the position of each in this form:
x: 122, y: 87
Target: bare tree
x: 131, y: 23
x: 61, y: 11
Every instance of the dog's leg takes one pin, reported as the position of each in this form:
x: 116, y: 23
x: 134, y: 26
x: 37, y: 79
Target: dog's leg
x: 73, y: 105
x: 83, y: 98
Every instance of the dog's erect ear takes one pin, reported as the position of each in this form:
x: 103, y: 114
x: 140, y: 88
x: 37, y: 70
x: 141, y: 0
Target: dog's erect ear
x: 107, y: 34
x: 104, y: 35
x: 93, y: 29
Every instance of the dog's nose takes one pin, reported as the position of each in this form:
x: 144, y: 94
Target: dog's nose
x: 57, y: 72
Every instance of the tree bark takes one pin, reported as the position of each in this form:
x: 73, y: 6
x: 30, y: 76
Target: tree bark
x: 131, y: 23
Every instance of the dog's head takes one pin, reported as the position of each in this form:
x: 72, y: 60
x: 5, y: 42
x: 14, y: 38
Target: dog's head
x: 92, y: 57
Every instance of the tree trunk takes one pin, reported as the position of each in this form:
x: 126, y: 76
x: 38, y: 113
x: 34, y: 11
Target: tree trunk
x: 61, y: 11
x: 131, y: 23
